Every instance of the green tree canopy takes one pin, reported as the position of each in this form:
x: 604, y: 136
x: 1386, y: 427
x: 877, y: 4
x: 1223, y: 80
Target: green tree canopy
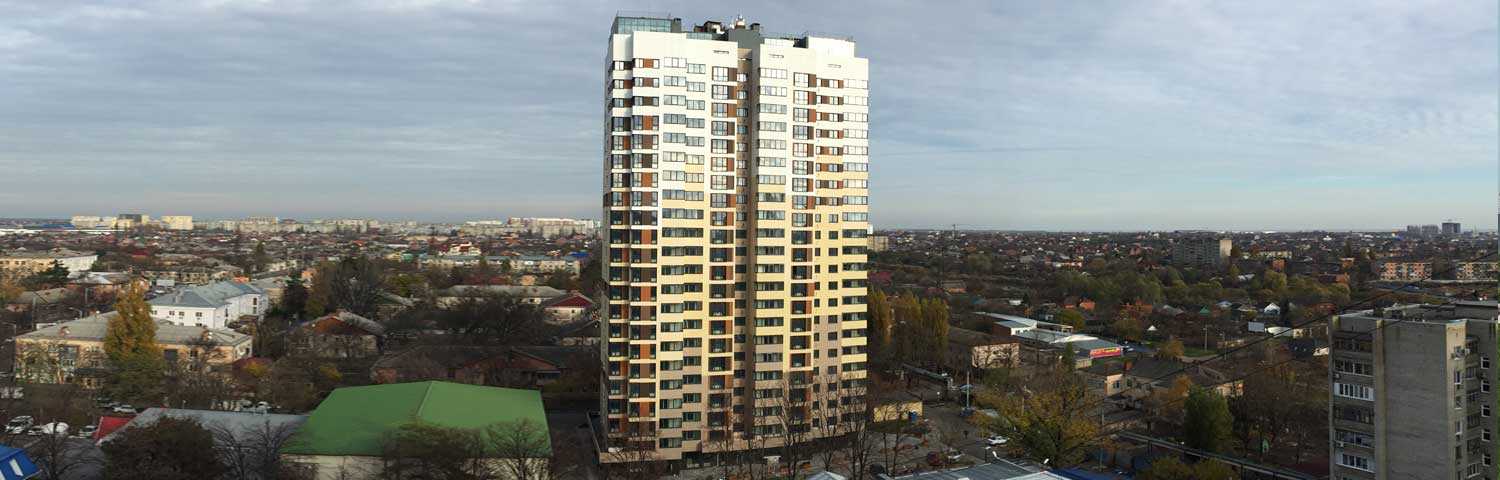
x: 168, y: 449
x: 1208, y: 423
x: 132, y: 331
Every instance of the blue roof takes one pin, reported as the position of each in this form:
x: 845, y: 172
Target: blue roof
x: 15, y: 465
x: 1076, y: 474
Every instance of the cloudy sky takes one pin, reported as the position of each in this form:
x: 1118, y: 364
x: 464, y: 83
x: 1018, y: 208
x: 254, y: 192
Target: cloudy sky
x: 991, y: 114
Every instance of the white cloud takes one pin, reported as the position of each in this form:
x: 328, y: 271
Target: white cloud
x: 1061, y: 115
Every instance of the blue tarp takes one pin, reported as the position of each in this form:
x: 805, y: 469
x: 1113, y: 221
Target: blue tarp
x: 15, y: 465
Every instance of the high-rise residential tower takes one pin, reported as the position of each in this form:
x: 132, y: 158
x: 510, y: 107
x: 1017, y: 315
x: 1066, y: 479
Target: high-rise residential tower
x: 1412, y: 393
x: 735, y: 200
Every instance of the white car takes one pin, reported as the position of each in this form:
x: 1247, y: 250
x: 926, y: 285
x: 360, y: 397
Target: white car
x: 87, y: 431
x: 18, y: 425
x: 127, y: 409
x: 55, y: 428
x: 996, y: 440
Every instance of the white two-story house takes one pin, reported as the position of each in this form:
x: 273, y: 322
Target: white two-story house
x: 214, y: 305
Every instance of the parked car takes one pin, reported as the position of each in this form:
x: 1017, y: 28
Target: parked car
x: 996, y: 440
x: 34, y: 431
x: 87, y: 431
x: 954, y: 456
x: 18, y: 425
x: 55, y: 428
x: 126, y: 409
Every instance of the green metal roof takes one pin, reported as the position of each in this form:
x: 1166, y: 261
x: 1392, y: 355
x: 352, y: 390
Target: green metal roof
x: 355, y: 420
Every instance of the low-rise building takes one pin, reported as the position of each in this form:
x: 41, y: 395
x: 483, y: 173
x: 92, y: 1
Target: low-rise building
x: 541, y: 264
x: 73, y: 352
x: 348, y: 435
x: 339, y: 334
x: 982, y: 350
x: 214, y: 305
x: 1135, y: 379
x: 501, y: 366
x: 533, y: 294
x: 19, y: 264
x: 567, y: 308
x: 193, y: 274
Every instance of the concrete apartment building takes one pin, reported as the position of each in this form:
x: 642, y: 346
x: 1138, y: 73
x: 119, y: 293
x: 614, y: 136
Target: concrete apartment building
x: 1403, y: 270
x: 1207, y: 252
x: 735, y: 202
x: 19, y: 264
x: 1473, y: 271
x: 177, y: 222
x: 1412, y: 393
x: 214, y: 305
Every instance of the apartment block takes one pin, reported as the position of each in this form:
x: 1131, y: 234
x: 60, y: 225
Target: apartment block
x: 1474, y: 271
x: 177, y: 222
x: 735, y: 202
x: 1412, y: 393
x: 1403, y: 270
x: 1207, y: 252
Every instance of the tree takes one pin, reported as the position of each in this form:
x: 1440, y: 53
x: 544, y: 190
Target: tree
x: 1127, y: 328
x: 168, y: 449
x: 494, y: 320
x: 1208, y: 423
x: 135, y: 360
x: 9, y: 290
x: 54, y: 276
x: 522, y: 449
x: 194, y: 380
x: 935, y: 330
x: 294, y: 297
x: 1070, y: 317
x: 1047, y: 419
x: 1171, y: 468
x: 132, y: 331
x: 881, y: 326
x: 1172, y: 349
x: 907, y: 337
x: 422, y: 450
x: 356, y: 284
x: 1167, y: 403
x: 259, y: 260
x: 298, y: 383
x: 253, y: 451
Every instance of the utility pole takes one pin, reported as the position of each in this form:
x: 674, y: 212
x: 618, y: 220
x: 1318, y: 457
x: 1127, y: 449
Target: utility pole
x: 968, y: 387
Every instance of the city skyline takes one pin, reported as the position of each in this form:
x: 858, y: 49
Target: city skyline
x: 1105, y: 117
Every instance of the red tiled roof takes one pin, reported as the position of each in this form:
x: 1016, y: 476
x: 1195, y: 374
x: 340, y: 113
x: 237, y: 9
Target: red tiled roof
x: 571, y: 300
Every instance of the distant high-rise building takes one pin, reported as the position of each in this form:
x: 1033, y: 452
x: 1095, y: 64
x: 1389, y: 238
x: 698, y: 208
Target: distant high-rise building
x: 1431, y: 230
x: 1209, y: 252
x: 1452, y: 228
x: 735, y: 203
x: 177, y: 222
x: 92, y: 221
x: 131, y: 220
x: 1412, y: 393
